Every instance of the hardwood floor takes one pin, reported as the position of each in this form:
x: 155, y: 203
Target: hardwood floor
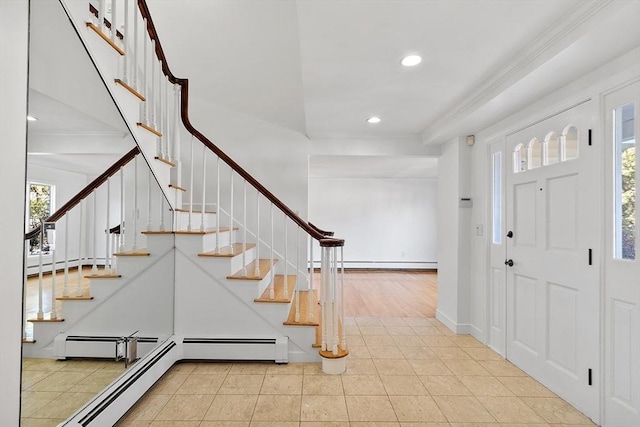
x: 390, y: 293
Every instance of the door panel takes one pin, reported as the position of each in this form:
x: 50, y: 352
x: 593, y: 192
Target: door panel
x: 561, y: 215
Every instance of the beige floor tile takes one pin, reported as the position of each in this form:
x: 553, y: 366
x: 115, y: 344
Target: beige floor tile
x: 59, y: 381
x: 349, y: 320
x: 135, y: 423
x: 412, y: 424
x: 323, y: 408
x: 370, y: 408
x: 428, y: 330
x: 282, y: 384
x: 274, y: 424
x: 224, y: 424
x: 403, y: 385
x: 147, y: 408
x: 400, y: 330
x: 353, y: 340
x: 313, y: 368
x: 201, y: 384
x: 444, y: 385
x: 360, y: 367
x: 286, y: 369
x: 417, y: 321
x: 37, y: 364
x: 29, y: 378
x: 168, y: 384
x: 95, y: 382
x: 64, y: 405
x: 416, y: 408
x: 212, y: 368
x: 372, y: 330
x: 482, y: 353
x: 277, y: 408
x: 241, y: 384
x: 451, y: 353
x: 467, y: 341
x: 408, y: 341
x: 81, y: 365
x: 40, y: 422
x: 174, y: 423
x: 375, y: 424
x: 322, y: 385
x: 385, y: 352
x: 485, y: 386
x: 363, y: 385
x: 555, y: 410
x: 32, y: 401
x: 393, y: 321
x: 359, y: 352
x: 351, y: 330
x: 184, y: 368
x: 232, y: 407
x: 368, y: 321
x: 446, y: 331
x: 250, y: 368
x: 393, y: 367
x: 325, y: 424
x: 430, y: 367
x: 417, y: 353
x: 509, y: 409
x: 371, y: 340
x: 463, y: 409
x: 185, y: 407
x: 476, y: 425
x: 438, y: 341
x: 526, y: 386
x: 502, y: 368
x: 466, y: 367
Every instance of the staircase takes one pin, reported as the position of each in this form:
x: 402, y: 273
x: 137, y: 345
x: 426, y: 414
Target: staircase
x: 204, y: 258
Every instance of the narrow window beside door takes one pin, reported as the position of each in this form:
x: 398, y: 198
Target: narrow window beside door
x: 40, y: 207
x: 625, y: 178
x: 497, y: 198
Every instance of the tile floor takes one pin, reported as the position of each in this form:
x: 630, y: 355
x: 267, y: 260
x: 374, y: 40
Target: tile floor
x: 401, y: 372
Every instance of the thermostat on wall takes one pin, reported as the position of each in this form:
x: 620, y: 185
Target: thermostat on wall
x: 465, y: 202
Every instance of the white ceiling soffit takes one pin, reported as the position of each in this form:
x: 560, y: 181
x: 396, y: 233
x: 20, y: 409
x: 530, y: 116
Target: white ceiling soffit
x: 373, y: 167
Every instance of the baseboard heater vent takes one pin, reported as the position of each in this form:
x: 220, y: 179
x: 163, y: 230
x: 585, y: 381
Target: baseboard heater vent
x: 275, y: 349
x: 113, y: 402
x: 69, y: 346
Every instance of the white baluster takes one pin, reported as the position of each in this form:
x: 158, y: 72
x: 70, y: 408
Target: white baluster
x: 149, y: 181
x: 121, y: 235
x: 27, y: 245
x: 286, y: 259
x: 54, y: 312
x: 94, y: 268
x: 80, y: 230
x: 311, y: 286
x: 125, y: 33
x: 114, y: 26
x: 271, y: 289
x: 101, y: 14
x: 343, y: 342
x: 324, y: 288
x: 40, y: 314
x: 218, y: 209
x: 107, y: 265
x: 145, y: 61
x: 175, y: 140
x: 231, y: 210
x: 334, y: 293
x: 152, y: 92
x: 191, y: 189
x: 134, y: 59
x: 134, y: 216
x: 256, y: 271
x: 296, y: 289
x: 204, y: 186
x: 65, y: 289
x: 244, y: 221
x: 161, y: 210
x: 165, y: 112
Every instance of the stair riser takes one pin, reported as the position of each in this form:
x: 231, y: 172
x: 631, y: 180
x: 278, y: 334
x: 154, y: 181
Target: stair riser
x: 236, y: 262
x: 221, y: 267
x: 182, y: 220
x: 193, y: 244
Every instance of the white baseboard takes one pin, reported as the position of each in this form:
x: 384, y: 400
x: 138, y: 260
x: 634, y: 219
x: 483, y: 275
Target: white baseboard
x: 458, y: 328
x: 387, y: 265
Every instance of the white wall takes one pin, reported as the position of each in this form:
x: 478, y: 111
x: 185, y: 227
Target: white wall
x: 386, y: 222
x: 13, y: 109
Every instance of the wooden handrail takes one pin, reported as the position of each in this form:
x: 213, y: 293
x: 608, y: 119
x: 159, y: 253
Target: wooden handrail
x: 86, y: 191
x: 184, y: 114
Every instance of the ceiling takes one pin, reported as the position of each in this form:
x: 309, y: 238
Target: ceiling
x: 321, y: 67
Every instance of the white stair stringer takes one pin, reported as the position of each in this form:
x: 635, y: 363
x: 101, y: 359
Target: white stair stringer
x: 207, y: 306
x: 106, y: 60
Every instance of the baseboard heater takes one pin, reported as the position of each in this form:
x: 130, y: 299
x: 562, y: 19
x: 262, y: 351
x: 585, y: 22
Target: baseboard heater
x: 69, y: 346
x: 115, y: 400
x: 275, y: 349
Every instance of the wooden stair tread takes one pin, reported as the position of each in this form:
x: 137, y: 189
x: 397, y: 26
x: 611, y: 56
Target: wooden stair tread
x: 304, y: 310
x: 193, y: 211
x: 137, y: 252
x: 177, y: 187
x: 165, y: 161
x: 150, y: 129
x: 28, y: 341
x: 278, y: 288
x: 205, y: 231
x: 264, y: 266
x: 102, y: 275
x: 157, y: 232
x: 74, y: 298
x: 228, y: 251
x: 105, y: 37
x: 130, y: 89
x: 45, y: 320
x: 330, y: 355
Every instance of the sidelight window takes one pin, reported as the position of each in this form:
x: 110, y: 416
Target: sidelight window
x: 625, y: 181
x: 40, y: 201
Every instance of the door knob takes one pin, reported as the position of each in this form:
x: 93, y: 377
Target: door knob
x: 509, y: 262
x: 510, y: 234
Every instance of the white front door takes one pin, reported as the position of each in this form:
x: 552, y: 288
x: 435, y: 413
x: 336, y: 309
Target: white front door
x: 622, y: 259
x: 552, y: 278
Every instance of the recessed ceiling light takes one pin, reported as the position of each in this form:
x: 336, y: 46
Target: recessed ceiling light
x: 411, y: 60
x: 31, y: 118
x: 374, y: 119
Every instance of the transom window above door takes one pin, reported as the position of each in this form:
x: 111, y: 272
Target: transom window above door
x: 552, y: 149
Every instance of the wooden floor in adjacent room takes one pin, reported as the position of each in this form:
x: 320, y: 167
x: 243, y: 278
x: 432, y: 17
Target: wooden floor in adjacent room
x: 385, y: 293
